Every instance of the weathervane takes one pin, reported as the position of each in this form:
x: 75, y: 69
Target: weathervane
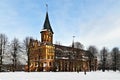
x: 47, y: 7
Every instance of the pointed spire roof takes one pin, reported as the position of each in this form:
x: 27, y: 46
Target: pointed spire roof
x: 47, y: 23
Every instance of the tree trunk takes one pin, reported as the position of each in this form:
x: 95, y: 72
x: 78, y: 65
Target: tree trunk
x: 28, y: 59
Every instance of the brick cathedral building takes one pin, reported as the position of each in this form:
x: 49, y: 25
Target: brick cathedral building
x: 46, y: 56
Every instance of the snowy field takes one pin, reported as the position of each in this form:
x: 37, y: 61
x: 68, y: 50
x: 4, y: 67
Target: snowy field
x: 60, y: 75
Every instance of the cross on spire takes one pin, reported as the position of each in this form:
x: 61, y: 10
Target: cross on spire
x: 47, y: 7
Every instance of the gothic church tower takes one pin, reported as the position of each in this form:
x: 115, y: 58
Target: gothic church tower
x: 47, y: 47
x: 47, y: 32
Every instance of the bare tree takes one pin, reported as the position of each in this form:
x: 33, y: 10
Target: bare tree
x: 92, y: 54
x: 119, y: 61
x: 27, y: 50
x: 3, y: 42
x: 93, y: 50
x: 104, y: 53
x: 115, y: 58
x: 78, y: 45
x: 15, y: 50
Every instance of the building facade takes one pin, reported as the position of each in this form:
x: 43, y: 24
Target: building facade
x: 46, y: 56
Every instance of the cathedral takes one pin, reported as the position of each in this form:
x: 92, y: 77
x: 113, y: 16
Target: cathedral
x: 46, y: 56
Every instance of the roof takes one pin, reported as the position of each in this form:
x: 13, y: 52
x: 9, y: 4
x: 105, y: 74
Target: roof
x: 47, y: 23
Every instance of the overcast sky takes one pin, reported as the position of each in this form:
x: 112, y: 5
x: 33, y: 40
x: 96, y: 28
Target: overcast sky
x: 93, y: 22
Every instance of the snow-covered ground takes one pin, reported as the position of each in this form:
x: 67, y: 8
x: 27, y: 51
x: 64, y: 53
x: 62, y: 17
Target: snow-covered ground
x: 60, y: 75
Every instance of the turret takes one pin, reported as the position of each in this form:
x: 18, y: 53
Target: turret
x: 47, y: 32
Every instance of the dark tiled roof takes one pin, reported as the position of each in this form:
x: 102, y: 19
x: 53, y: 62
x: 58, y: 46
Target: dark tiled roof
x: 47, y: 23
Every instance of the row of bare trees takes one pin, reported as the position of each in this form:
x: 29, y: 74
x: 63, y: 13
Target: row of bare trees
x: 110, y: 60
x: 107, y: 60
x: 13, y: 53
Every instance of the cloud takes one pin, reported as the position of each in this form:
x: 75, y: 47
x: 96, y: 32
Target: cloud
x: 104, y: 32
x: 13, y: 21
x: 92, y: 22
x: 97, y: 26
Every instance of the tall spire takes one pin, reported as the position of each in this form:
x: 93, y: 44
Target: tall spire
x: 47, y: 22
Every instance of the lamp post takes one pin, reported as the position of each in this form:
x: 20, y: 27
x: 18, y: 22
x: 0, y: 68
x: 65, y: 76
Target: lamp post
x: 73, y: 42
x: 73, y: 46
x: 73, y: 56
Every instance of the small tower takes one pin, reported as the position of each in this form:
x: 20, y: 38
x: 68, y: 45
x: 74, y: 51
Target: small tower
x: 47, y: 32
x: 47, y: 47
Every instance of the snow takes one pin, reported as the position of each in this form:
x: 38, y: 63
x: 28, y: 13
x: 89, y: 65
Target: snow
x: 99, y: 75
